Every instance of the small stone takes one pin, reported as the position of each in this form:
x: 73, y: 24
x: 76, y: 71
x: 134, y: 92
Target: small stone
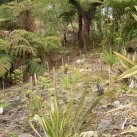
x: 116, y: 104
x: 104, y: 124
x: 25, y: 135
x: 43, y: 135
x: 89, y: 134
x: 1, y: 110
x: 51, y: 89
x: 133, y: 84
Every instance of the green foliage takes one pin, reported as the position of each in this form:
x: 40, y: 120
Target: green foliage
x: 97, y: 79
x: 33, y: 103
x: 116, y: 25
x: 6, y: 64
x: 52, y: 44
x: 5, y: 60
x: 125, y: 60
x: 66, y: 82
x: 109, y: 57
x: 23, y: 42
x: 44, y: 82
x: 135, y: 16
x: 6, y: 104
x: 124, y: 88
x: 129, y: 66
x: 17, y: 76
x: 12, y: 13
x: 31, y: 47
x: 35, y: 66
x: 66, y: 123
x: 76, y: 74
x: 12, y: 134
x: 128, y: 73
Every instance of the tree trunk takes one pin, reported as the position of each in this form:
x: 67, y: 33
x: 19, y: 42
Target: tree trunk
x: 80, y: 40
x: 65, y: 37
x: 85, y: 32
x: 28, y: 24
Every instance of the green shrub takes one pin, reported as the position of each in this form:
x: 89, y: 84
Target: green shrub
x: 17, y: 76
x: 44, y: 82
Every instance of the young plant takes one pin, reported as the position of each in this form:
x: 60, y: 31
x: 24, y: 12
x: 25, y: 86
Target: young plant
x: 12, y: 134
x: 76, y: 74
x: 34, y: 103
x: 6, y: 104
x: 66, y: 82
x: 110, y: 59
x: 17, y: 76
x: 67, y: 122
x: 44, y: 82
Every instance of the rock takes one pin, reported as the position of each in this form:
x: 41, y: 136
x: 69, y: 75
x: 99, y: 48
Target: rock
x: 80, y: 61
x: 133, y: 83
x: 25, y: 135
x: 43, y: 135
x: 85, y: 70
x: 116, y: 104
x: 89, y: 134
x: 1, y: 110
x: 104, y: 124
x: 15, y: 103
x: 51, y: 89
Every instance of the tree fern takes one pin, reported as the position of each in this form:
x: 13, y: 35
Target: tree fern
x: 21, y: 43
x: 22, y: 50
x: 35, y: 66
x: 5, y: 65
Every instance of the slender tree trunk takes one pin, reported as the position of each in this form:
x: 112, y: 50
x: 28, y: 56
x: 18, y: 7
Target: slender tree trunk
x: 85, y: 32
x: 65, y: 37
x: 28, y: 23
x: 80, y: 40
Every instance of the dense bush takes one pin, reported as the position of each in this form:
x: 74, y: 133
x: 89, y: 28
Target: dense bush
x: 22, y: 48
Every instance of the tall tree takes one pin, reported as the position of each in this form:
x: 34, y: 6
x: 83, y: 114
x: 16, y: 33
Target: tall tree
x: 86, y: 11
x: 17, y: 13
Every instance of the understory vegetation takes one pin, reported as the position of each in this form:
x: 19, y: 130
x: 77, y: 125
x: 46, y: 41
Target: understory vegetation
x: 68, y: 68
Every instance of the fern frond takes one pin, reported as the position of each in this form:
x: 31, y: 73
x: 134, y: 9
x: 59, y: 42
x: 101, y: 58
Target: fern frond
x: 18, y: 7
x: 22, y: 50
x: 4, y: 45
x: 5, y: 65
x: 35, y: 66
